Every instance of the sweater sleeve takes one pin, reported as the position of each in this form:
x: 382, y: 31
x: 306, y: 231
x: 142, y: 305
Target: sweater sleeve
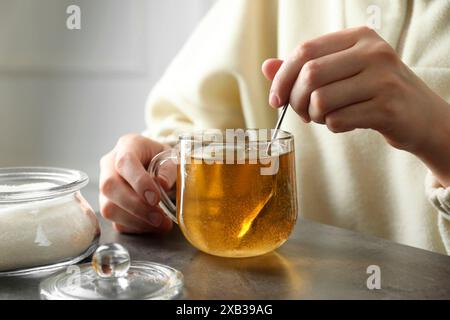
x: 440, y: 198
x: 216, y: 81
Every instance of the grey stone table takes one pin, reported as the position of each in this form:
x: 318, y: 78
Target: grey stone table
x: 317, y: 262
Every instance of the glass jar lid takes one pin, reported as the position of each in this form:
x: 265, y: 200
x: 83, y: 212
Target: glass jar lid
x: 113, y: 276
x: 25, y: 184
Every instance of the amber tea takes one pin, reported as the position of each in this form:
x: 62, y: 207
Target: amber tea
x: 232, y: 209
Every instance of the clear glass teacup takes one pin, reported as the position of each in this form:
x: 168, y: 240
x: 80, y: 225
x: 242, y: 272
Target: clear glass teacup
x: 235, y: 190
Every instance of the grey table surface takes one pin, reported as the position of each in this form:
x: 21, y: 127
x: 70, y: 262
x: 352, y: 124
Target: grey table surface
x: 317, y: 262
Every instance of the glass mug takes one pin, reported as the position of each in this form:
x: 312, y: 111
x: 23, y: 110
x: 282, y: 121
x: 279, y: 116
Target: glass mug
x: 235, y: 190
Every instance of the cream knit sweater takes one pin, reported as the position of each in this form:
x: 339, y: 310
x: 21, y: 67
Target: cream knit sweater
x: 352, y: 180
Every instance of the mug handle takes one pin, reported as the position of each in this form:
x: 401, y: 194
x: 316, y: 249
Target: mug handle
x: 166, y: 204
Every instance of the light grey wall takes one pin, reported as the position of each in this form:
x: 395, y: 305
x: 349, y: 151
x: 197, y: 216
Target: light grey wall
x: 66, y: 96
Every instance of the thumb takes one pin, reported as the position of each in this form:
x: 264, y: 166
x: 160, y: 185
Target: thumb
x: 270, y: 68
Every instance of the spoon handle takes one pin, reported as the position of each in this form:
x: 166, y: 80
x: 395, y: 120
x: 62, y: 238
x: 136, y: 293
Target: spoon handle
x: 277, y: 127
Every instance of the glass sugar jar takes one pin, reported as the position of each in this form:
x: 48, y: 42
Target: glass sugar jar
x: 45, y: 223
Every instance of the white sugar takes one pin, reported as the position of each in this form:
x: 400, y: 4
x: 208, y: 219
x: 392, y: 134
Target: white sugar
x: 27, y: 187
x: 43, y: 232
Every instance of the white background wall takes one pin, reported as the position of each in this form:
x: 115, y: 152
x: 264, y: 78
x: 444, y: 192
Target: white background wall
x: 66, y: 96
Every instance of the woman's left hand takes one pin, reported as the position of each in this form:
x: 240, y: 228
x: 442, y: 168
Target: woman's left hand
x: 354, y: 79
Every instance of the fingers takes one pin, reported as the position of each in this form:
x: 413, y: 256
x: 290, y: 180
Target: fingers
x: 357, y: 116
x: 132, y: 170
x: 133, y: 155
x: 286, y: 76
x: 336, y: 79
x: 121, y: 194
x: 129, y: 195
x: 117, y: 191
x: 270, y: 68
x: 322, y: 71
x: 340, y: 94
x: 143, y: 148
x: 131, y: 222
x: 116, y: 214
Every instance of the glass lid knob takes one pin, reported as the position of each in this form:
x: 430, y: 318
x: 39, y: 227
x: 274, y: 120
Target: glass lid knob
x: 111, y: 260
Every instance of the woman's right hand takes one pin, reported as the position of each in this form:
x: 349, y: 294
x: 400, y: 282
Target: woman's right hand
x: 129, y: 196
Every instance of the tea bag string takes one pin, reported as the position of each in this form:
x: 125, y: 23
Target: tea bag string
x: 277, y: 128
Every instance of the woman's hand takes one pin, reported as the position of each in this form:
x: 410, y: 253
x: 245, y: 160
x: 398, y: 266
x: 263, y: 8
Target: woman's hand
x: 353, y: 79
x: 128, y: 195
